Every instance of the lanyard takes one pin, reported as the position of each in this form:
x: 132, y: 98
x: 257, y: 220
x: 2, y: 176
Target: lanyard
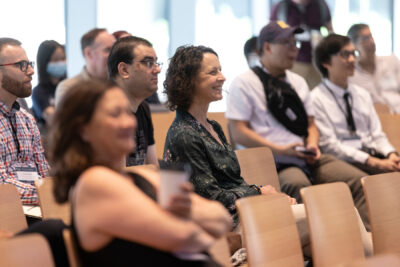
x: 15, y: 137
x: 351, y: 126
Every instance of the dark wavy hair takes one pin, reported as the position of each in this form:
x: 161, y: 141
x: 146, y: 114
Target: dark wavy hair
x: 45, y: 51
x: 326, y: 48
x: 69, y: 154
x: 182, y: 70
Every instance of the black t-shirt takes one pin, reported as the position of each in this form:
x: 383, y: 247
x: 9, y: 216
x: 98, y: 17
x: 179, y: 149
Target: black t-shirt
x: 144, y: 136
x: 42, y: 97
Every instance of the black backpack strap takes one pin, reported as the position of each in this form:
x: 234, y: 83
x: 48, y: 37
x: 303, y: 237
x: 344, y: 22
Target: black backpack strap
x: 284, y: 103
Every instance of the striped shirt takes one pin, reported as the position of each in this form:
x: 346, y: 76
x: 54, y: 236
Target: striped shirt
x: 20, y: 142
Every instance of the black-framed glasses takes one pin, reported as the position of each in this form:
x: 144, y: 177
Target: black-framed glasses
x: 150, y: 63
x: 345, y: 54
x: 290, y: 43
x: 22, y: 65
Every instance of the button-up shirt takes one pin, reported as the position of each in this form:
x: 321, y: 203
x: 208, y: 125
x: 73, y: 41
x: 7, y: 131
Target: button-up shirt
x: 330, y: 118
x: 384, y: 83
x: 28, y: 150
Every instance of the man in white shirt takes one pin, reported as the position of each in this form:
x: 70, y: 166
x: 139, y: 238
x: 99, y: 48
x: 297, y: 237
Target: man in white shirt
x: 379, y: 75
x: 348, y: 124
x: 253, y: 124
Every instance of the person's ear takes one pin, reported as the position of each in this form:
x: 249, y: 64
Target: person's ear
x: 123, y: 70
x: 266, y: 48
x: 87, y: 52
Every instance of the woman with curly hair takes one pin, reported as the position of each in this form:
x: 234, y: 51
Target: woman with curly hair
x: 193, y: 81
x: 115, y: 216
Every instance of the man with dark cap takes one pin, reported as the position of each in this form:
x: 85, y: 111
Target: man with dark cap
x: 289, y: 132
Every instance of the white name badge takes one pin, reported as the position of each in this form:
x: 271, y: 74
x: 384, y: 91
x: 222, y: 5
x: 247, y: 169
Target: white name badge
x: 26, y: 173
x: 354, y: 141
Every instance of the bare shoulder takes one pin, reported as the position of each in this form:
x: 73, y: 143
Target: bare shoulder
x: 100, y: 180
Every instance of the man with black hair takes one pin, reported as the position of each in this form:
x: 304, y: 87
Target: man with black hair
x: 254, y: 122
x: 133, y: 65
x: 95, y: 45
x: 347, y: 121
x: 251, y: 52
x: 22, y: 159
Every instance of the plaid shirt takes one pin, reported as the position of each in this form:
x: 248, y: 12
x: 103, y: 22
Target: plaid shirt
x: 31, y: 150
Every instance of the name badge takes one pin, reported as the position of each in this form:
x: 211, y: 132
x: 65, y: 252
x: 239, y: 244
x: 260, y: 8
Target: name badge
x: 26, y: 173
x: 353, y: 141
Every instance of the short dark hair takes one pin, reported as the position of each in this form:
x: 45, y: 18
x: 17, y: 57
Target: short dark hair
x: 69, y: 155
x: 250, y: 46
x: 354, y: 31
x: 89, y: 37
x: 182, y: 70
x: 45, y: 51
x: 327, y: 47
x: 122, y: 51
x: 8, y: 41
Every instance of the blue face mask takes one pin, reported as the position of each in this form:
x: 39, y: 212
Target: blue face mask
x: 57, y: 69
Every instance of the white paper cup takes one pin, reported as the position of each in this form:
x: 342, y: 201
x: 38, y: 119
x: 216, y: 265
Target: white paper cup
x: 170, y: 181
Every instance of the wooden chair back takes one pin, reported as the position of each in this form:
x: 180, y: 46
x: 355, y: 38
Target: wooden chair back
x: 220, y: 252
x: 391, y: 127
x: 383, y: 201
x: 375, y: 261
x: 49, y: 207
x: 12, y: 218
x: 333, y: 224
x: 71, y: 249
x: 161, y: 123
x: 26, y: 250
x: 381, y: 108
x: 257, y: 166
x: 269, y: 231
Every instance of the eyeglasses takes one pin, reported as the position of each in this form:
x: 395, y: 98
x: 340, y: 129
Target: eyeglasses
x: 150, y: 63
x: 23, y: 65
x: 345, y: 54
x: 290, y: 43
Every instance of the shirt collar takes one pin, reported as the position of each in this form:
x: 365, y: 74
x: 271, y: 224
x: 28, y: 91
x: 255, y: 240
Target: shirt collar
x: 284, y: 76
x: 336, y: 90
x: 9, y: 113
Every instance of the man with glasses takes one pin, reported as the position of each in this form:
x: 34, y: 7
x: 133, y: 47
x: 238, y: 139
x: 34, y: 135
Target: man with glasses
x: 22, y: 159
x: 380, y: 75
x: 133, y: 65
x: 95, y: 45
x: 253, y: 123
x: 349, y: 126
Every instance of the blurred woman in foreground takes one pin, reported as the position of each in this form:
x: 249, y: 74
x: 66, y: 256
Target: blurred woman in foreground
x: 115, y: 217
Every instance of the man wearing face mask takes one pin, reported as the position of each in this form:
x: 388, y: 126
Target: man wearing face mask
x: 22, y: 159
x: 52, y: 69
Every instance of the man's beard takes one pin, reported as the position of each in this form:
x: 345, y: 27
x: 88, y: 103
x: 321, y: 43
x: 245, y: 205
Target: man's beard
x: 17, y: 88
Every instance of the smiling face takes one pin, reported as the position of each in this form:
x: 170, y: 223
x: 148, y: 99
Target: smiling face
x: 209, y: 80
x: 111, y: 129
x: 13, y: 81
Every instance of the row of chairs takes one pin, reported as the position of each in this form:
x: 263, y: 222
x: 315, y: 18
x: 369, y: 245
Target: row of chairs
x: 257, y: 166
x: 163, y: 120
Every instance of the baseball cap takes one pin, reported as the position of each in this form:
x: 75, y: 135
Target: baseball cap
x: 276, y: 31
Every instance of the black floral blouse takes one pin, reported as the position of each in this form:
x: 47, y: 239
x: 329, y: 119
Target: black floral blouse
x: 215, y: 168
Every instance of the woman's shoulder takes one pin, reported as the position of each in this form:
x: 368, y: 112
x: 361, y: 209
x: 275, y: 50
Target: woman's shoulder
x: 100, y: 179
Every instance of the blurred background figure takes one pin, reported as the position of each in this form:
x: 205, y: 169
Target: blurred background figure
x: 120, y: 34
x: 52, y: 69
x: 251, y: 52
x: 310, y: 15
x: 380, y: 75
